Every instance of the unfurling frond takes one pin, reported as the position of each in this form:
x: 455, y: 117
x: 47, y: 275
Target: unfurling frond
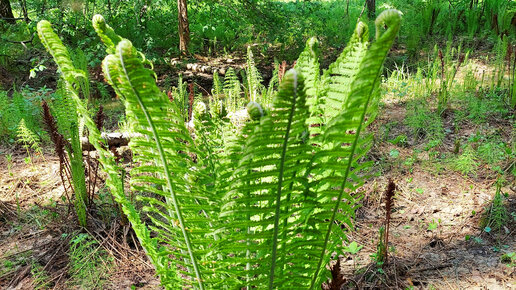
x: 336, y: 167
x: 177, y: 208
x: 260, y: 210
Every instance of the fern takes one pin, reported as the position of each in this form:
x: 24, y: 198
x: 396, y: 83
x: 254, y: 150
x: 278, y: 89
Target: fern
x: 252, y: 208
x: 268, y: 95
x: 308, y: 64
x: 340, y: 75
x: 217, y: 85
x: 80, y: 61
x: 28, y: 138
x: 181, y: 97
x: 216, y: 105
x: 78, y: 176
x: 65, y: 111
x: 165, y: 169
x: 267, y: 182
x: 335, y: 166
x: 232, y: 90
x: 63, y: 108
x: 254, y: 79
x: 6, y: 117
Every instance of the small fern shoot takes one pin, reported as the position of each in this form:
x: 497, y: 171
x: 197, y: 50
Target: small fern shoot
x: 28, y: 139
x: 254, y: 79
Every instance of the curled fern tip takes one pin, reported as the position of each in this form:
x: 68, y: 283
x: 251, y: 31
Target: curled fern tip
x: 98, y: 22
x: 255, y: 111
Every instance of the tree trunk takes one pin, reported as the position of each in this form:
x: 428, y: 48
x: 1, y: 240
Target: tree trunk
x: 43, y: 7
x: 23, y: 6
x: 184, y: 30
x: 6, y: 12
x: 371, y: 8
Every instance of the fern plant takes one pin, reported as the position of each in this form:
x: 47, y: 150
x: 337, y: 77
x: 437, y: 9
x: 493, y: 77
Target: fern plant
x: 232, y: 90
x: 253, y: 209
x: 67, y: 116
x: 29, y: 139
x: 253, y: 84
x: 6, y: 118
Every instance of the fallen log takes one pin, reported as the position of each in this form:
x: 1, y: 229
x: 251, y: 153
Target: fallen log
x: 115, y: 139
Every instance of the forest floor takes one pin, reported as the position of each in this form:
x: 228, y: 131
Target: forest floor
x: 455, y: 254
x: 437, y: 239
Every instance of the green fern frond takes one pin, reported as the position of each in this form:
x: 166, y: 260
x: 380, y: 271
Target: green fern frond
x: 28, y: 138
x: 71, y: 77
x: 68, y: 123
x: 63, y: 108
x: 339, y: 76
x: 308, y: 64
x: 114, y: 177
x: 78, y: 176
x: 80, y: 61
x: 56, y: 48
x: 106, y: 33
x: 163, y: 151
x: 5, y: 116
x: 272, y: 88
x: 217, y: 85
x: 336, y: 168
x: 266, y: 192
x: 232, y: 90
x: 254, y: 79
x: 114, y: 180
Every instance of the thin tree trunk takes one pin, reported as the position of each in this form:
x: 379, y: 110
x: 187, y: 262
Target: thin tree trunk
x: 6, y: 12
x: 184, y: 29
x: 109, y: 9
x: 23, y: 5
x: 43, y: 7
x: 371, y: 8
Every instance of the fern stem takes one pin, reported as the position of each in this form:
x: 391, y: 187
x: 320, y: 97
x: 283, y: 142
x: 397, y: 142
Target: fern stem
x: 167, y: 171
x: 280, y: 182
x: 248, y: 243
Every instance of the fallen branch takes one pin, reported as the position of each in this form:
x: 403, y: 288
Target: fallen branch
x: 20, y: 41
x: 112, y: 140
x: 10, y: 18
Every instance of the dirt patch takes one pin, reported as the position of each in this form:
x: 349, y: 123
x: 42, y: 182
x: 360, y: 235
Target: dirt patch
x: 435, y: 238
x: 37, y: 225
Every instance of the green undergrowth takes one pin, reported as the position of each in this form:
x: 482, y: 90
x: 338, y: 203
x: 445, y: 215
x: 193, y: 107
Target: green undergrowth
x: 471, y: 135
x: 89, y: 263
